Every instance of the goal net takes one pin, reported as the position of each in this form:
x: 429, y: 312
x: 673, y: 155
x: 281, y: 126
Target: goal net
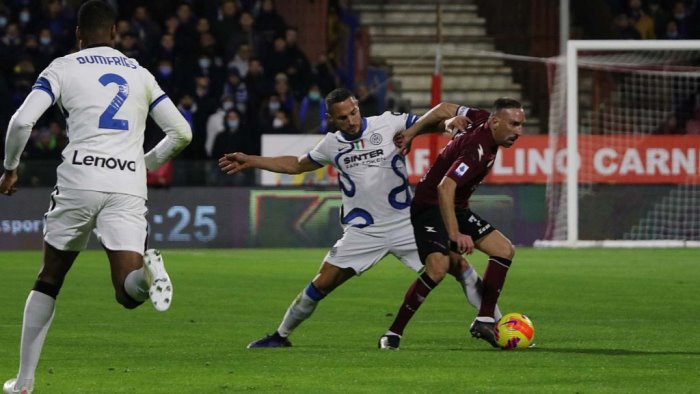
x: 628, y: 113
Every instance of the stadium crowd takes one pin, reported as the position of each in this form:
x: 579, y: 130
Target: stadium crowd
x: 656, y: 19
x: 233, y: 68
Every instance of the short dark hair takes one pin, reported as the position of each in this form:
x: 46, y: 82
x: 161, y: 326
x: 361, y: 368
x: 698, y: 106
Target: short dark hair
x: 96, y: 16
x: 505, y: 103
x: 337, y: 96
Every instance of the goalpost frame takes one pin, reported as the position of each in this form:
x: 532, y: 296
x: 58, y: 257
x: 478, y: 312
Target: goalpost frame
x: 572, y: 166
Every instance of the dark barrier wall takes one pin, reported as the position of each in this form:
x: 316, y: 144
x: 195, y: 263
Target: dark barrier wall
x: 224, y: 217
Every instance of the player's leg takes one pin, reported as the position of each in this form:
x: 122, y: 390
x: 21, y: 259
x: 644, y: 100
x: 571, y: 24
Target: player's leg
x: 38, y: 314
x: 69, y: 221
x: 432, y: 242
x: 470, y: 282
x: 329, y: 277
x: 357, y: 251
x: 500, y: 252
x: 136, y: 277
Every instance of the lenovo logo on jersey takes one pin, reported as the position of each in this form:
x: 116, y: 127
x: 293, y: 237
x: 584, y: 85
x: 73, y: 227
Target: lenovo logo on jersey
x: 363, y: 156
x: 104, y: 162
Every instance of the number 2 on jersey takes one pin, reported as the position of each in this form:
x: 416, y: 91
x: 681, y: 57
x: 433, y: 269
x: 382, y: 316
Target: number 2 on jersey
x: 107, y: 120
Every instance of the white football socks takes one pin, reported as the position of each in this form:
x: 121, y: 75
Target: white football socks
x: 136, y: 286
x: 38, y: 314
x: 468, y: 281
x: 301, y: 308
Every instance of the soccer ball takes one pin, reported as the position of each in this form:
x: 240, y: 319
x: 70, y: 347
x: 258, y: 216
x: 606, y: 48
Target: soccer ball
x: 514, y: 331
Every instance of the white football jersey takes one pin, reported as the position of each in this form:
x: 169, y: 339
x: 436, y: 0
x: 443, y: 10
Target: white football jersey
x: 372, y: 175
x: 105, y: 98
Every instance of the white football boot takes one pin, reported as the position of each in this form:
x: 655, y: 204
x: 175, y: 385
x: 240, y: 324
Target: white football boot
x: 161, y: 289
x: 9, y: 388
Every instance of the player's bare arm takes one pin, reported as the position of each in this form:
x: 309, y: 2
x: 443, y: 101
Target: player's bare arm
x: 446, y: 198
x: 432, y: 121
x: 235, y: 162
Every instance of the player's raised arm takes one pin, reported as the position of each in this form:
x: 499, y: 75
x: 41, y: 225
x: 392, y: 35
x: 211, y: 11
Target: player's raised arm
x: 18, y: 132
x: 178, y: 133
x: 432, y: 121
x: 233, y: 163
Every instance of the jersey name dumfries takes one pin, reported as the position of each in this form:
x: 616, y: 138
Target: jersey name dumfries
x: 116, y: 60
x: 108, y: 162
x: 363, y: 156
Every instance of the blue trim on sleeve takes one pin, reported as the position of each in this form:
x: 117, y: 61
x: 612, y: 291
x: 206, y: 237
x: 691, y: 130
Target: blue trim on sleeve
x: 156, y: 101
x: 411, y: 120
x: 312, y: 159
x: 44, y: 84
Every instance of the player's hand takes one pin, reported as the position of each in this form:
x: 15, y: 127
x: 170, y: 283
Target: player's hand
x: 457, y: 124
x: 464, y: 243
x: 8, y: 182
x: 232, y: 163
x: 403, y: 140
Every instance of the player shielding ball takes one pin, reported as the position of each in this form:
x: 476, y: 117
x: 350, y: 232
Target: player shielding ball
x: 106, y: 98
x: 376, y: 199
x: 442, y: 220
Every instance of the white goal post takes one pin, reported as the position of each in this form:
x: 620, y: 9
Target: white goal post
x: 569, y: 221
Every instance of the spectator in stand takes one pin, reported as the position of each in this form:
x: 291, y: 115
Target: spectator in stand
x: 282, y: 91
x: 299, y: 70
x: 189, y: 110
x: 278, y: 60
x: 367, y: 100
x: 207, y: 102
x: 246, y: 35
x: 671, y: 32
x: 130, y: 46
x: 228, y: 23
x: 268, y: 22
x: 682, y: 18
x: 210, y: 65
x: 166, y: 49
x: 11, y: 45
x: 61, y: 23
x: 259, y: 85
x: 313, y: 112
x: 282, y: 124
x: 47, y: 49
x: 641, y: 20
x: 266, y: 114
x: 145, y: 28
x: 236, y: 88
x: 27, y: 22
x: 323, y: 72
x: 231, y: 135
x: 215, y: 123
x: 241, y: 60
x: 167, y: 78
x: 623, y: 29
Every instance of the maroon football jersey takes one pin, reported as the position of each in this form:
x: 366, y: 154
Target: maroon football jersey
x: 467, y: 159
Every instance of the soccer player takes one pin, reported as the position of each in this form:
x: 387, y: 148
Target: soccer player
x: 106, y: 98
x: 441, y: 218
x: 375, y: 203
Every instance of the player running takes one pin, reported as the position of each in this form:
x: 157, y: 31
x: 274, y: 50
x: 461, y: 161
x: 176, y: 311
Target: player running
x: 442, y: 220
x: 375, y: 203
x: 106, y: 98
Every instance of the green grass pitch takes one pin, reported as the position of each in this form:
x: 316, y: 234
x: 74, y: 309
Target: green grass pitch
x: 606, y: 321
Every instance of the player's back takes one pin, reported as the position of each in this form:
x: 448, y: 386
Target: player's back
x: 105, y: 98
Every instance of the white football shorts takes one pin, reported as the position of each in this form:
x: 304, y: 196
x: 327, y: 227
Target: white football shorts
x: 362, y: 248
x: 120, y: 219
